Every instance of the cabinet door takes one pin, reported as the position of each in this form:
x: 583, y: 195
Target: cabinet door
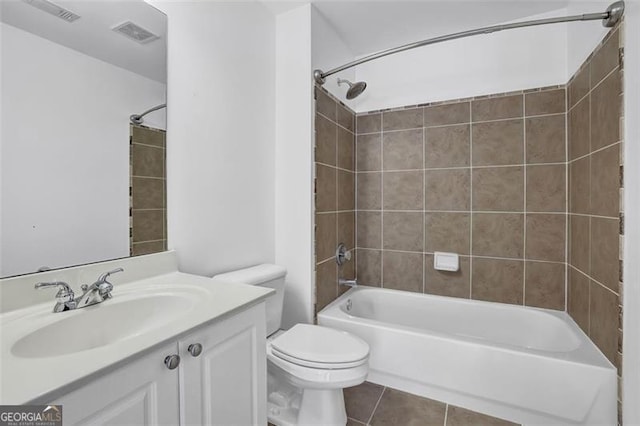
x: 142, y: 392
x: 226, y: 383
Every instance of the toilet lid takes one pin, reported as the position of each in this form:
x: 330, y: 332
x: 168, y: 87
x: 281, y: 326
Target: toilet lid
x: 314, y: 345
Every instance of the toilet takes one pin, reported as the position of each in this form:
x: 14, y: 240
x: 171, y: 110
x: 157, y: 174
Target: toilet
x: 307, y: 365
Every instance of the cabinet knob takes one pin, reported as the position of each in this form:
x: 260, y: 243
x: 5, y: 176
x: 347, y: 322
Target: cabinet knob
x: 172, y: 361
x: 195, y: 349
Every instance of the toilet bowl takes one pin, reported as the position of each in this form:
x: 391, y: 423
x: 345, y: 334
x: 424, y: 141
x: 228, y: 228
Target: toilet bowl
x: 308, y: 365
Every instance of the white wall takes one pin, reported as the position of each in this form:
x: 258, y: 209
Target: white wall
x: 631, y: 308
x: 220, y: 140
x: 64, y: 153
x: 479, y: 65
x: 328, y: 50
x: 294, y: 162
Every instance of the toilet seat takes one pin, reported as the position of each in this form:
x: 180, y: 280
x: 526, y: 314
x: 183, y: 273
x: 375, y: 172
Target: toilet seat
x: 317, y: 378
x: 319, y: 365
x: 314, y: 346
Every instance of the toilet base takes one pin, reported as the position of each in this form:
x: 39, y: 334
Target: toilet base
x: 322, y: 407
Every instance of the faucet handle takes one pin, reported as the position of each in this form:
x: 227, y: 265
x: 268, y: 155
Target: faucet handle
x: 65, y: 293
x: 105, y: 289
x: 61, y: 284
x: 103, y: 278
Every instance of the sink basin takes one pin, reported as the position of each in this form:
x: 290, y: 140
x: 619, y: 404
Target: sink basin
x: 103, y: 324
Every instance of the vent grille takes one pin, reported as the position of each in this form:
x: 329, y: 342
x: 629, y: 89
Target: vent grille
x: 135, y: 32
x: 53, y: 9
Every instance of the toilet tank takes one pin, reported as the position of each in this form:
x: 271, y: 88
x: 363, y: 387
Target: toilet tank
x: 270, y: 276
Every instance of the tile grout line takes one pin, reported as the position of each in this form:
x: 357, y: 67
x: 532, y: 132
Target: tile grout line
x: 591, y: 89
x: 147, y: 177
x: 611, y: 145
x: 446, y: 413
x: 335, y: 166
x: 490, y: 166
x: 147, y: 145
x: 470, y: 200
x: 475, y: 212
x: 355, y: 193
x: 519, y: 259
x: 353, y: 132
x: 337, y: 285
x: 449, y: 102
x: 524, y: 200
x: 587, y: 215
x: 567, y: 234
x: 595, y: 281
x: 589, y: 206
x: 424, y: 204
x: 149, y: 241
x: 384, y: 389
x: 314, y: 222
x: 497, y: 120
x: 381, y: 204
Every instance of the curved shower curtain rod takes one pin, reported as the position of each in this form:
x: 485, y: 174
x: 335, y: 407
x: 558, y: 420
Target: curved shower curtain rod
x: 137, y: 118
x: 609, y: 19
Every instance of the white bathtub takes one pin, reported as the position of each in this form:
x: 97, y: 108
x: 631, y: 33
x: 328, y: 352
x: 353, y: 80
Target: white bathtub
x: 531, y: 366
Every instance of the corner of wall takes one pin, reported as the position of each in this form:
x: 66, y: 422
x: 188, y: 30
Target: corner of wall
x: 583, y: 37
x: 294, y: 162
x: 329, y: 50
x: 220, y: 186
x: 631, y: 291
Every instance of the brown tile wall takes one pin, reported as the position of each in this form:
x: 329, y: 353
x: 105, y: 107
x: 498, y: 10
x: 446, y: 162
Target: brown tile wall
x: 372, y: 404
x: 484, y: 178
x: 595, y: 211
x: 147, y: 191
x: 335, y: 194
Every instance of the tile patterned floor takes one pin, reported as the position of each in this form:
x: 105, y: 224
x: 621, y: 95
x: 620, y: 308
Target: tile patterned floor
x: 375, y: 405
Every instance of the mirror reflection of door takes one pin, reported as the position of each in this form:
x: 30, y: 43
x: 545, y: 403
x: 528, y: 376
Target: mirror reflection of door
x: 69, y: 87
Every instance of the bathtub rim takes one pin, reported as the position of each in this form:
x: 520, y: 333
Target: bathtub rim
x: 586, y: 353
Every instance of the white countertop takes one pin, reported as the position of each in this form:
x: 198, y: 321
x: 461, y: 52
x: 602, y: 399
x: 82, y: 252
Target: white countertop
x: 25, y: 380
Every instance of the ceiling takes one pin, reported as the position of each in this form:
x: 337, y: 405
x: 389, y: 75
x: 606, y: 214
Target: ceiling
x: 368, y: 26
x: 385, y: 24
x: 92, y: 34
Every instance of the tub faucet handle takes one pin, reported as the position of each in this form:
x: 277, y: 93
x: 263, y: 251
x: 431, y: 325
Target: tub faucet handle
x: 342, y: 254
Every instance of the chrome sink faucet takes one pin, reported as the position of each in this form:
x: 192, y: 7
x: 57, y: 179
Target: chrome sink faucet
x: 92, y: 294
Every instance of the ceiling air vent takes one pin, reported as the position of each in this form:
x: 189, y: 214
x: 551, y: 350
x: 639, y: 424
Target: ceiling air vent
x: 53, y: 9
x: 135, y: 32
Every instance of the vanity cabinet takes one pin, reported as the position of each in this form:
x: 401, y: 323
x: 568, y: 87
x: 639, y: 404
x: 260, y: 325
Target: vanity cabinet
x: 142, y: 392
x: 225, y: 384
x: 220, y: 380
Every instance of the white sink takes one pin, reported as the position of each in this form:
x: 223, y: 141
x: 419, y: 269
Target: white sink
x: 114, y: 320
x: 42, y: 353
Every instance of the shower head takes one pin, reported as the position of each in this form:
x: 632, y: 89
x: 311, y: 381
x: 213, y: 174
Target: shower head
x: 355, y: 89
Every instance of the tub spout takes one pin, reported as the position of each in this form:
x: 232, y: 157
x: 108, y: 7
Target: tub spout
x: 349, y: 283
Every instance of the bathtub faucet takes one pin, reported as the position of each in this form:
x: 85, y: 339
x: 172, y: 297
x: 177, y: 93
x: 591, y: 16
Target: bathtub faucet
x: 349, y: 283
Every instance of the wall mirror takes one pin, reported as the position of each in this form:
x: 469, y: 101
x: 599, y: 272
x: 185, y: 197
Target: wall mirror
x: 79, y: 182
